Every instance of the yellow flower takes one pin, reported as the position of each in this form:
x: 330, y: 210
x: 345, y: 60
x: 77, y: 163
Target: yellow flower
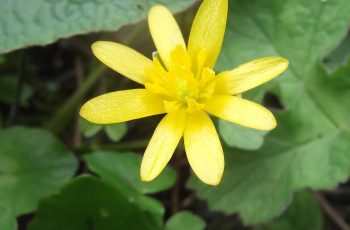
x: 182, y: 84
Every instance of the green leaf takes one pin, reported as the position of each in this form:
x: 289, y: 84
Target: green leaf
x: 310, y: 147
x: 339, y: 56
x: 116, y: 131
x: 303, y: 213
x: 40, y: 22
x: 185, y: 220
x: 33, y: 165
x: 122, y: 170
x: 240, y: 136
x: 87, y: 128
x: 113, y: 167
x: 89, y: 203
x: 8, y: 88
x: 7, y: 220
x: 256, y: 29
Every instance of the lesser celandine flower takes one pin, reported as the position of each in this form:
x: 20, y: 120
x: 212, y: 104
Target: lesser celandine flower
x: 182, y: 84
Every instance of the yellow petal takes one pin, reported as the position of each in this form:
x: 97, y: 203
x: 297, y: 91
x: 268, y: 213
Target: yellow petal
x: 162, y: 145
x: 208, y: 30
x: 123, y: 59
x: 121, y: 106
x: 165, y: 32
x: 250, y: 75
x: 203, y: 148
x: 241, y: 111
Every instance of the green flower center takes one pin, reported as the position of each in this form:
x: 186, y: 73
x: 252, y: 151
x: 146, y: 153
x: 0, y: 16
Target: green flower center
x: 182, y: 85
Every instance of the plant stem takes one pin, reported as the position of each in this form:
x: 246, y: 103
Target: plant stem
x: 68, y: 109
x: 329, y: 210
x: 175, y: 192
x: 79, y: 76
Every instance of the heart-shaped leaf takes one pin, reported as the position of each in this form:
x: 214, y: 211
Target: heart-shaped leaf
x: 310, y: 147
x: 33, y: 165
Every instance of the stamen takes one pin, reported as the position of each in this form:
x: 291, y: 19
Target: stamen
x: 194, y: 106
x: 182, y: 86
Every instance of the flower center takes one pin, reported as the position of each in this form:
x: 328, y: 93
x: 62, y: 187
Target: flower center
x: 182, y: 84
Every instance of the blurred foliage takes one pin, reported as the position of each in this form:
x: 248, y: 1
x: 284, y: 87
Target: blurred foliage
x: 303, y: 213
x: 8, y: 86
x: 185, y: 220
x: 265, y: 173
x: 115, y: 132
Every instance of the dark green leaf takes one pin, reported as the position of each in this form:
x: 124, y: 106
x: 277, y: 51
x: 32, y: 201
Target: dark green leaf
x: 303, y: 213
x: 39, y: 22
x: 33, y: 165
x: 89, y: 203
x: 339, y: 56
x: 122, y: 170
x: 7, y: 220
x: 185, y: 220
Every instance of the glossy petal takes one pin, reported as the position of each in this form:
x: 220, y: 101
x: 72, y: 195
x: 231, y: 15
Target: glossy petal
x: 162, y: 145
x: 203, y: 148
x: 123, y: 59
x: 208, y: 30
x: 165, y: 32
x: 250, y: 75
x: 241, y: 111
x: 121, y: 106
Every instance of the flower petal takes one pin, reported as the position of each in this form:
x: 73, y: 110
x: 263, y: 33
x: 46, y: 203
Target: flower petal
x: 203, y: 148
x: 250, y: 75
x: 165, y: 32
x: 121, y: 106
x: 162, y: 145
x: 208, y: 30
x: 241, y: 111
x: 123, y: 59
